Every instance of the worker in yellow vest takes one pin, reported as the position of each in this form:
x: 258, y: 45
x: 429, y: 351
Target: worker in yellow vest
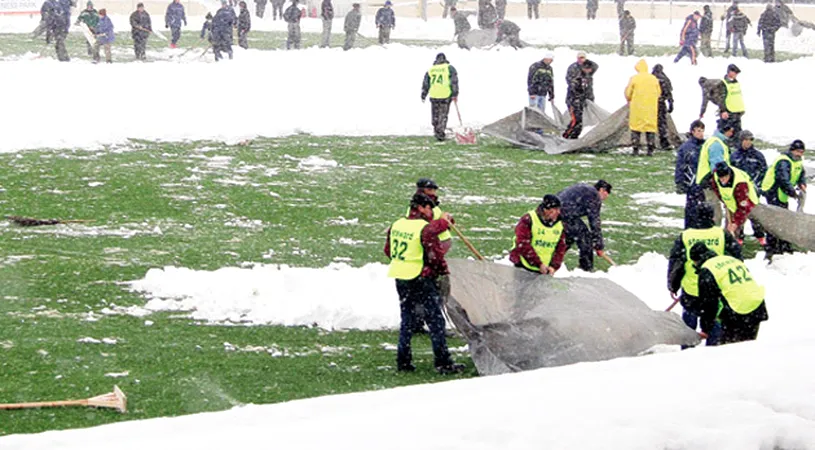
x: 733, y: 100
x: 441, y: 84
x: 785, y: 175
x: 415, y: 262
x: 682, y: 274
x: 540, y: 242
x: 729, y: 295
x: 714, y: 150
x: 738, y: 193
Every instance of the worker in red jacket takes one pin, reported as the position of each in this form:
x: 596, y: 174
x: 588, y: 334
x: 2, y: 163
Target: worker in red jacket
x: 738, y: 193
x: 540, y: 242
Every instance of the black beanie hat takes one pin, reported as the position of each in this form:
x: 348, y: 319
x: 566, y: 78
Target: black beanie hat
x: 426, y: 183
x: 722, y: 169
x: 797, y: 145
x: 421, y: 200
x: 550, y: 201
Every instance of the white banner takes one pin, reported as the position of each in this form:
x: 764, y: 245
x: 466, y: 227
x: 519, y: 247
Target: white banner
x: 20, y: 6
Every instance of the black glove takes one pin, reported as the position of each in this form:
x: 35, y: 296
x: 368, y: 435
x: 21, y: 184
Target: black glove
x: 670, y: 106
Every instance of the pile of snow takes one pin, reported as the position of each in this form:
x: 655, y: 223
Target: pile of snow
x: 330, y: 95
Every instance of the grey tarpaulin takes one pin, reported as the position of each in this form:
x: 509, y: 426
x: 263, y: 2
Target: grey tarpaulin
x: 481, y: 38
x: 516, y: 320
x: 795, y: 227
x: 607, y: 132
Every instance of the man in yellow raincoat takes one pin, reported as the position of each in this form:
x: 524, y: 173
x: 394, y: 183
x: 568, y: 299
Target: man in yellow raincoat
x: 642, y: 94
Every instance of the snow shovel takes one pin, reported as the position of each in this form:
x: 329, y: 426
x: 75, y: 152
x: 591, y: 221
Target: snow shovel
x: 464, y: 136
x: 115, y: 400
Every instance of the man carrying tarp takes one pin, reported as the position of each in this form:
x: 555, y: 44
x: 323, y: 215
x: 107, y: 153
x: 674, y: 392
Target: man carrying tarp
x: 753, y: 163
x: 540, y: 242
x: 681, y: 272
x: 729, y: 295
x: 412, y: 246
x: 779, y: 184
x: 687, y: 162
x: 642, y: 95
x: 540, y: 82
x: 726, y: 94
x: 461, y: 26
x: 738, y: 193
x: 664, y: 107
x: 580, y: 82
x: 578, y: 201
x: 441, y: 83
x: 428, y: 187
x: 509, y: 31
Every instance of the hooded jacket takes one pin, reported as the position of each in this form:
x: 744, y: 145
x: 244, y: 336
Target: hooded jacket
x: 642, y: 94
x: 453, y: 79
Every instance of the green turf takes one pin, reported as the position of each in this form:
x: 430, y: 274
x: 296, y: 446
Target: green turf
x: 16, y: 45
x: 206, y: 205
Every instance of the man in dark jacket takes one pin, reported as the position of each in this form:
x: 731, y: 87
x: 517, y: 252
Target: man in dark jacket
x: 540, y: 82
x: 706, y: 30
x: 752, y: 162
x: 260, y: 8
x: 580, y: 82
x: 665, y: 106
x: 385, y: 21
x: 591, y: 9
x: 728, y: 295
x: 351, y: 26
x: 56, y: 23
x: 510, y: 32
x: 327, y: 16
x: 682, y: 274
x: 687, y: 161
x: 206, y: 29
x: 739, y: 23
x: 486, y: 15
x: 540, y: 242
x: 768, y: 24
x: 222, y: 25
x: 578, y: 201
x: 244, y: 25
x: 173, y: 18
x: 292, y: 17
x: 726, y: 18
x: 441, y: 84
x: 688, y: 37
x: 783, y: 177
x: 627, y: 26
x: 411, y: 246
x: 140, y: 29
x: 461, y: 26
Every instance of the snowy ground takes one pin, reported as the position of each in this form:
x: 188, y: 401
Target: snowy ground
x: 748, y: 396
x: 174, y: 100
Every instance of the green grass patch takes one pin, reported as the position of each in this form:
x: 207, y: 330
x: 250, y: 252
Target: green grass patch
x: 207, y: 205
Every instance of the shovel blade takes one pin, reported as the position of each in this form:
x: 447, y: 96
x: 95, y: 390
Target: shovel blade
x: 465, y: 137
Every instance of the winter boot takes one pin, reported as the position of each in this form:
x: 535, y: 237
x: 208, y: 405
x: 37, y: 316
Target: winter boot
x: 450, y: 369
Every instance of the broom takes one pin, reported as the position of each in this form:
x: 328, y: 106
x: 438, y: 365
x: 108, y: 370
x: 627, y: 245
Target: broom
x: 32, y: 222
x: 116, y: 400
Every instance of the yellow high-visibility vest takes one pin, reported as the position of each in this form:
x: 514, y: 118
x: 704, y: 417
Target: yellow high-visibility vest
x: 440, y: 81
x: 407, y: 252
x: 733, y: 101
x: 738, y: 287
x: 726, y: 193
x: 544, y: 240
x: 713, y: 238
x: 796, y: 168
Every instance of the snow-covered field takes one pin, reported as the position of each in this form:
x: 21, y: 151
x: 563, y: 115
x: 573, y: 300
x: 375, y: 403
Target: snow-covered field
x: 758, y: 395
x: 374, y: 91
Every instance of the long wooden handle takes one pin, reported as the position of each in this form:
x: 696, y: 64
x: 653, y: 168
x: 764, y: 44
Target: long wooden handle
x: 44, y: 404
x: 608, y: 258
x: 676, y: 300
x: 467, y: 242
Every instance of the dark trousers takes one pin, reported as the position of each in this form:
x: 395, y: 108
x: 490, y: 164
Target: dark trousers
x: 260, y: 9
x: 578, y: 232
x: 694, y: 197
x: 424, y: 292
x: 690, y: 315
x: 439, y: 110
x: 734, y: 119
x: 739, y: 329
x: 738, y: 39
x: 727, y: 34
x: 59, y: 45
x: 462, y: 40
x: 219, y: 47
x: 775, y: 245
x: 636, y: 141
x: 704, y: 39
x: 501, y: 10
x: 627, y: 43
x: 662, y: 126
x: 293, y: 39
x: 533, y: 9
x: 384, y: 35
x: 576, y: 124
x: 350, y: 37
x: 769, y: 46
x: 242, y: 41
x: 689, y: 50
x: 175, y: 32
x: 277, y: 10
x: 140, y: 45
x: 591, y: 13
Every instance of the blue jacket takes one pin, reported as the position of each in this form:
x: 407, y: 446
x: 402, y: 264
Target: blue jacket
x: 750, y: 161
x: 222, y: 25
x: 690, y: 31
x: 175, y: 15
x: 583, y: 200
x: 385, y: 18
x: 56, y: 19
x: 104, y: 31
x: 687, y: 160
x: 66, y: 6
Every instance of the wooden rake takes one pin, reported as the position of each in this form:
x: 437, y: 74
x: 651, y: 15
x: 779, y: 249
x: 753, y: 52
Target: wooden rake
x: 115, y: 400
